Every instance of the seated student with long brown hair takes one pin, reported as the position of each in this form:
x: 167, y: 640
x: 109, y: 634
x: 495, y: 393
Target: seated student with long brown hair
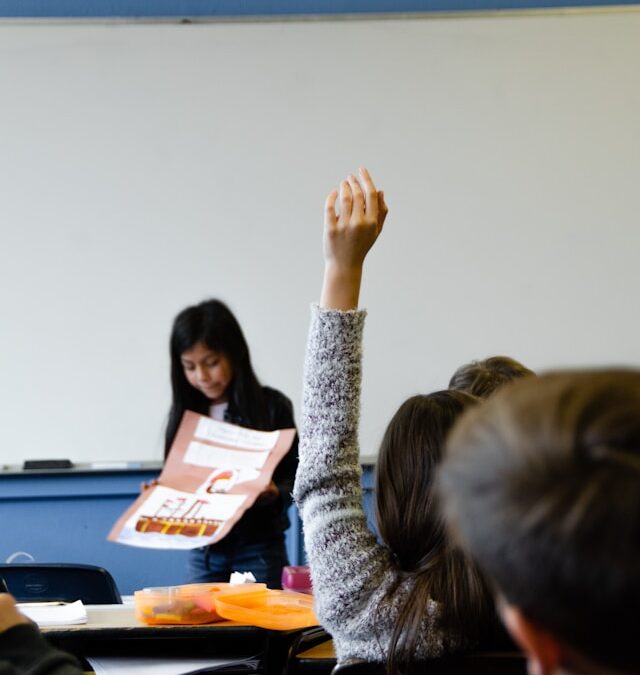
x: 542, y: 485
x: 414, y: 595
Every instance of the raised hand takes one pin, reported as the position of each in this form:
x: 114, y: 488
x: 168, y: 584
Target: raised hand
x: 348, y: 236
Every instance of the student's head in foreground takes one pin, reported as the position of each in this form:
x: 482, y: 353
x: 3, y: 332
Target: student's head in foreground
x: 541, y: 483
x: 410, y: 523
x: 482, y: 378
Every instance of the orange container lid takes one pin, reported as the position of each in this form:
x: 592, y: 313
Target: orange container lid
x: 277, y: 610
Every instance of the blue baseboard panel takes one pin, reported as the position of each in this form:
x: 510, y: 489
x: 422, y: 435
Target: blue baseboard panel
x: 242, y: 8
x: 66, y: 518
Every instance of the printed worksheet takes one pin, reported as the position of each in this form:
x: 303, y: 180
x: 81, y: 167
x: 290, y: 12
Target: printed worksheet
x: 214, y: 472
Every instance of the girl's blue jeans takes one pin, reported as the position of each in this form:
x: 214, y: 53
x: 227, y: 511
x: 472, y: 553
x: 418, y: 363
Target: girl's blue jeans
x: 264, y: 560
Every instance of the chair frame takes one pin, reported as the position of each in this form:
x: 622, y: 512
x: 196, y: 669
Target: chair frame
x: 66, y: 582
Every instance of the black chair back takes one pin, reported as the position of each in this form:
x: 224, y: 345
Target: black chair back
x: 67, y: 582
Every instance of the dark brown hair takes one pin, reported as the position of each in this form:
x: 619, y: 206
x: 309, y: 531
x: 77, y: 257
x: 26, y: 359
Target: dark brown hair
x: 542, y: 484
x: 482, y: 378
x: 212, y: 323
x: 411, y: 525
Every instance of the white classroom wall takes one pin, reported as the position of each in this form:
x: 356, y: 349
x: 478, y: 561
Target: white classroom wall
x: 144, y: 167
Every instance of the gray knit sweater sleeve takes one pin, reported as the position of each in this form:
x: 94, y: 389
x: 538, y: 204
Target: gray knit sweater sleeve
x: 357, y: 587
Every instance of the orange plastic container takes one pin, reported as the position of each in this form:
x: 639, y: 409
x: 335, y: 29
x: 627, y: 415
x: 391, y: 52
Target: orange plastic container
x: 277, y: 610
x: 187, y: 604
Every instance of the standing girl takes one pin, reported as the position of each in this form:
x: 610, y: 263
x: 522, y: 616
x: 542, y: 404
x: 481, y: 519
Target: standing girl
x: 416, y: 595
x: 211, y: 374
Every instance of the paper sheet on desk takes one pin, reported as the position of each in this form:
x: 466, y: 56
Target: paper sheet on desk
x: 169, y: 666
x: 213, y: 474
x: 54, y: 613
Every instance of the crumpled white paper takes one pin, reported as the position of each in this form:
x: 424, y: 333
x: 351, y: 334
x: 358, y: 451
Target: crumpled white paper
x: 238, y: 578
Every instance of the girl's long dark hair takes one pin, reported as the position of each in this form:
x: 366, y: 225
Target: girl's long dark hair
x: 410, y: 523
x: 212, y: 323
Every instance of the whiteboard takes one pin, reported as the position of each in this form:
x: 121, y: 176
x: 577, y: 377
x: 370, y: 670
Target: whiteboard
x: 145, y: 167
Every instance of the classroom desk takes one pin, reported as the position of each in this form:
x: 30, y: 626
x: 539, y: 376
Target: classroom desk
x: 319, y: 660
x: 113, y: 630
x: 323, y: 651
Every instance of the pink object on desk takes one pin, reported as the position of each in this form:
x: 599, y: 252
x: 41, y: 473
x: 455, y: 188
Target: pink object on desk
x: 296, y: 578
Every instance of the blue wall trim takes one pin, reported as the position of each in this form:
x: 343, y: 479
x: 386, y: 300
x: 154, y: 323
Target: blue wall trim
x: 65, y: 517
x: 238, y: 8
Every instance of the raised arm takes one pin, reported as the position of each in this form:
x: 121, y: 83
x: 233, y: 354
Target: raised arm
x: 348, y: 236
x: 351, y: 572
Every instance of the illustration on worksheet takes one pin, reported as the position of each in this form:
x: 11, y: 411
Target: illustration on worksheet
x: 221, y: 480
x: 214, y: 472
